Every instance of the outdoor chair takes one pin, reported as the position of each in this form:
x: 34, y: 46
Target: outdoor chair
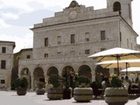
x: 97, y: 91
x: 134, y: 90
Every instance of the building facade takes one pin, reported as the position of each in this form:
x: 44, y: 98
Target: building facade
x: 62, y: 44
x: 24, y: 54
x: 6, y: 63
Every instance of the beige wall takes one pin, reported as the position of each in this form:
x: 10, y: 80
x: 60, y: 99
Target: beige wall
x: 5, y: 74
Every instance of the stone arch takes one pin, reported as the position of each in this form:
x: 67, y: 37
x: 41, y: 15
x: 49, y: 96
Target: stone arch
x: 26, y: 73
x: 101, y: 73
x: 38, y: 76
x: 117, y: 6
x: 68, y: 75
x: 67, y: 70
x: 52, y: 70
x: 85, y: 70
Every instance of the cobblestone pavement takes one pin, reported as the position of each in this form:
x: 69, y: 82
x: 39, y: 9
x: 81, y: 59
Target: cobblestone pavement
x: 10, y: 98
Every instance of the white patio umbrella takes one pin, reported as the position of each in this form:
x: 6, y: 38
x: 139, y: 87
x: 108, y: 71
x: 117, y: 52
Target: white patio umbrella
x: 122, y: 64
x: 116, y: 54
x: 132, y: 69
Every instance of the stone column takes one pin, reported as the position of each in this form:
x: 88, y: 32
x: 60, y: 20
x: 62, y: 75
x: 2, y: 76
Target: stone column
x: 93, y: 73
x: 32, y: 81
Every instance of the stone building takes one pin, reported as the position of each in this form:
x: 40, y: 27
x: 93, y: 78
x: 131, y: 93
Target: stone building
x: 62, y: 44
x: 6, y: 63
x: 24, y: 54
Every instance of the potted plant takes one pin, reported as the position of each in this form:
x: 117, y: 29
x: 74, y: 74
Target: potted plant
x: 21, y: 85
x: 40, y: 88
x: 83, y: 93
x: 116, y: 94
x: 55, y: 90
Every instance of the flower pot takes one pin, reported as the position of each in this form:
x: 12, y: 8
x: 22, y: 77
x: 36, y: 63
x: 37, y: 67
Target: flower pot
x: 40, y: 91
x: 83, y: 94
x: 116, y: 96
x: 21, y: 91
x: 55, y: 93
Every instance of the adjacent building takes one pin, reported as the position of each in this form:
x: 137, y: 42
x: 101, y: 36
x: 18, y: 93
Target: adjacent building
x: 62, y: 44
x: 6, y: 63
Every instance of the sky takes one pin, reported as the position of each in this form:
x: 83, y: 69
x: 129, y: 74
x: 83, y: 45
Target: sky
x: 18, y: 16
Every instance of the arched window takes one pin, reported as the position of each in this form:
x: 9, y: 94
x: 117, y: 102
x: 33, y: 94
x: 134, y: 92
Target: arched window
x: 117, y: 6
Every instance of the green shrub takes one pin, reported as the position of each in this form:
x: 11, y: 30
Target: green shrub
x: 54, y: 80
x: 40, y: 85
x: 22, y: 83
x: 116, y: 82
x: 83, y: 81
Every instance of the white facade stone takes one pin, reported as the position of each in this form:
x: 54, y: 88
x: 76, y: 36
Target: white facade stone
x: 80, y: 21
x: 6, y: 68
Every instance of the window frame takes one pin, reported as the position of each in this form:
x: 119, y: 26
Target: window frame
x: 103, y: 35
x: 28, y: 56
x: 3, y: 49
x: 72, y: 38
x: 46, y: 42
x: 59, y: 40
x: 3, y: 64
x: 2, y: 81
x: 87, y: 51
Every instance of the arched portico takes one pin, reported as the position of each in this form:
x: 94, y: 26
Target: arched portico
x: 38, y: 76
x: 101, y: 73
x: 26, y: 73
x: 85, y: 70
x: 52, y: 71
x: 68, y: 75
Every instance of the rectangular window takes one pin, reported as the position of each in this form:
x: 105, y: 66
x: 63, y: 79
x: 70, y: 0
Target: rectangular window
x: 46, y: 42
x: 102, y: 49
x: 87, y: 51
x: 46, y: 55
x: 28, y: 57
x: 59, y: 53
x: 3, y: 64
x: 87, y: 38
x: 2, y: 81
x: 3, y: 49
x: 102, y: 33
x: 58, y: 39
x: 72, y: 38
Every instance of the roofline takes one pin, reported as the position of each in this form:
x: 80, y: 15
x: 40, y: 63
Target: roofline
x: 88, y: 20
x: 7, y: 42
x: 73, y: 22
x: 10, y: 42
x: 129, y: 25
x: 26, y: 49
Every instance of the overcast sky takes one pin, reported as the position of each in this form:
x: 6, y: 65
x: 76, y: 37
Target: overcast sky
x: 18, y: 16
